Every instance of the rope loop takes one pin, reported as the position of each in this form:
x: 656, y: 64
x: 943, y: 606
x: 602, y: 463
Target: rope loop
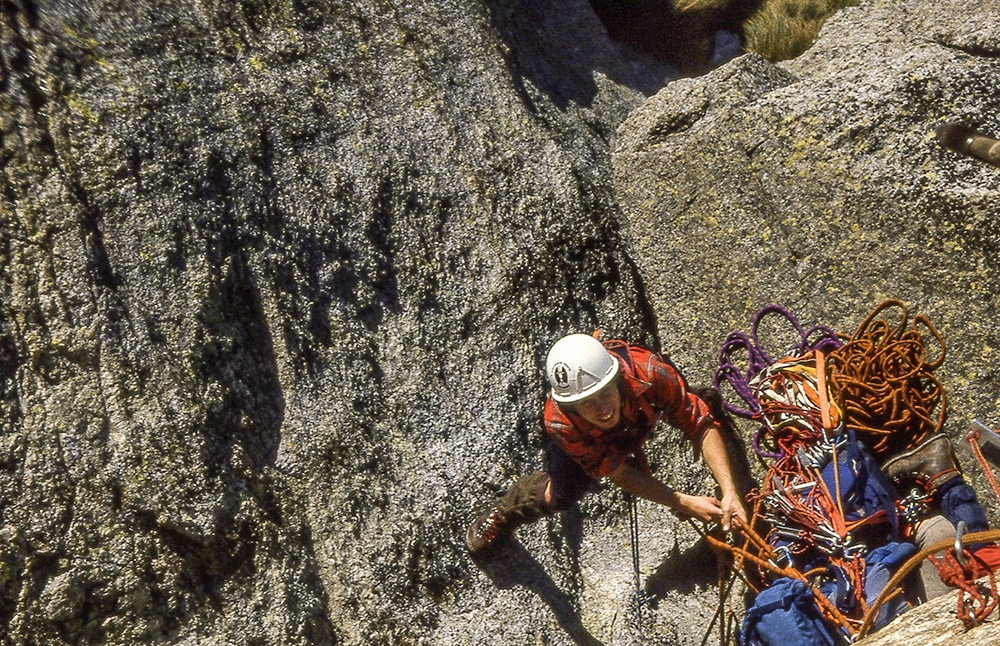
x: 882, y: 379
x: 974, y: 605
x: 738, y: 374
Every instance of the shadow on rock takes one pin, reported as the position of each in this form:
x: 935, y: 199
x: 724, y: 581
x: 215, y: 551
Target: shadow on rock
x: 559, y: 46
x: 512, y: 565
x: 682, y: 571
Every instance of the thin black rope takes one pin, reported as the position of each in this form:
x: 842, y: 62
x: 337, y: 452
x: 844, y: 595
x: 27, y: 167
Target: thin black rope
x: 638, y: 597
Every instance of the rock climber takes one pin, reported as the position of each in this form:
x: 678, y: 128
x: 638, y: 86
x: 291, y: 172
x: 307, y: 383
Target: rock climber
x: 605, y: 401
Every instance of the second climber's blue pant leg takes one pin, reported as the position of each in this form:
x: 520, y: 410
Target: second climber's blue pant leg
x: 959, y: 502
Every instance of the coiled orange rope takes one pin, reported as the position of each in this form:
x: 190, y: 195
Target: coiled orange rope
x: 882, y: 380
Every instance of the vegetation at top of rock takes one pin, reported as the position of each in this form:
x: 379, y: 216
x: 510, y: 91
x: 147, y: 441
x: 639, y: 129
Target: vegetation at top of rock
x: 683, y: 33
x: 783, y: 29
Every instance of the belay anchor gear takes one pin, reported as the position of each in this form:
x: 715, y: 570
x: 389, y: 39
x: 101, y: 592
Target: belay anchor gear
x: 830, y: 512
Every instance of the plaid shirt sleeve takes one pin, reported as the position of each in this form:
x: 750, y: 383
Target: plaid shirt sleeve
x: 670, y: 394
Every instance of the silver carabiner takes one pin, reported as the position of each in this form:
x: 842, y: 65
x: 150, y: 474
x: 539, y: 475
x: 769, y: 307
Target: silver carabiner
x: 959, y: 550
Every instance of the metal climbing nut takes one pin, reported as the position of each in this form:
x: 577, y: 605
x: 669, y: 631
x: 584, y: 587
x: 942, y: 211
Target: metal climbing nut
x: 827, y: 530
x: 801, y: 487
x: 807, y: 460
x: 915, y: 506
x: 788, y: 533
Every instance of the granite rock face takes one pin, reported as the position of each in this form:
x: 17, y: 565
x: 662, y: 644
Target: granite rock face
x: 276, y: 281
x: 934, y: 623
x: 818, y: 184
x: 278, y: 278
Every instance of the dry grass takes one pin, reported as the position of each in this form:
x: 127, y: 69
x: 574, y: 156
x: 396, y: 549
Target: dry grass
x: 687, y: 6
x: 782, y: 29
x: 681, y: 32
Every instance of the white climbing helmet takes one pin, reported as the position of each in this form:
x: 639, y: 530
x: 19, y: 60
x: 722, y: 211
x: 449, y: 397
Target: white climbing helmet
x: 578, y: 365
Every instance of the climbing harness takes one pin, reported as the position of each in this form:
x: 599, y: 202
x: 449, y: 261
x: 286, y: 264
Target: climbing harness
x: 915, y: 506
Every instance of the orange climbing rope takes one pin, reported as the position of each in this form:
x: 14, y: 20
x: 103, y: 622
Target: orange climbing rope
x: 972, y: 437
x: 765, y: 561
x: 882, y: 380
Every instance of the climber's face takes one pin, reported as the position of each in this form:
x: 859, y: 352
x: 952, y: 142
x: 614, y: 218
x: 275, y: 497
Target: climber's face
x: 603, y: 409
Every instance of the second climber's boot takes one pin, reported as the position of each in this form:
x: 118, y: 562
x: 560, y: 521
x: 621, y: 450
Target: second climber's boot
x: 523, y: 503
x: 928, y: 465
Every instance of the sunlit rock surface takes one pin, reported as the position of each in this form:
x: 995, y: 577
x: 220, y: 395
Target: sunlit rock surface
x: 278, y: 278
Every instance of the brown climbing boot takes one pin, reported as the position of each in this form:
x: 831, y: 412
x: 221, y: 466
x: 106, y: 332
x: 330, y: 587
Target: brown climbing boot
x: 969, y: 141
x: 929, y: 465
x: 523, y: 503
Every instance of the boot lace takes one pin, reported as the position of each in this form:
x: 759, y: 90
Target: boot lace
x: 493, y: 527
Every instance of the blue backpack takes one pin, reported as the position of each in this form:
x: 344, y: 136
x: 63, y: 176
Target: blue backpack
x: 785, y: 614
x: 864, y: 489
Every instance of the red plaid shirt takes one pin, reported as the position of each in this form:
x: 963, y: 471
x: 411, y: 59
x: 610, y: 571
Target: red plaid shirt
x: 651, y: 388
